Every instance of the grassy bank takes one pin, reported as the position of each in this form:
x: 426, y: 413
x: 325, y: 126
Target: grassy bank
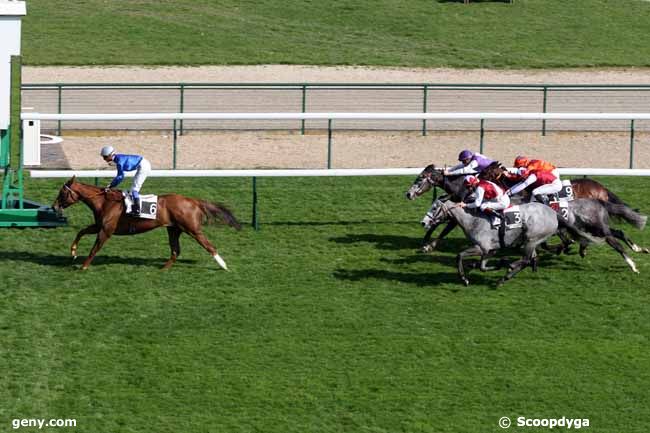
x: 527, y: 34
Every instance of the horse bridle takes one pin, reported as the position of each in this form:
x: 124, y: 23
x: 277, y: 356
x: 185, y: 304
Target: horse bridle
x: 76, y: 194
x: 443, y: 201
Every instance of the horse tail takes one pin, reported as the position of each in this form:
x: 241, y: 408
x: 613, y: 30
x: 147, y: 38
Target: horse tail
x: 217, y: 210
x: 623, y: 211
x: 613, y: 198
x: 576, y: 232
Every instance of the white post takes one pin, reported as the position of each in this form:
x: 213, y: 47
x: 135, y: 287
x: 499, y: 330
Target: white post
x: 32, y: 142
x: 11, y: 12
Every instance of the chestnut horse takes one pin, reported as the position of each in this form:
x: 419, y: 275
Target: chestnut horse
x: 178, y: 213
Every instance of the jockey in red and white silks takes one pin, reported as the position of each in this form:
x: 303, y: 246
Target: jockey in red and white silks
x: 470, y: 163
x: 489, y: 196
x: 543, y: 183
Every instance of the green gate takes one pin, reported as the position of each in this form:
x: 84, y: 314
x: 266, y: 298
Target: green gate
x: 15, y: 210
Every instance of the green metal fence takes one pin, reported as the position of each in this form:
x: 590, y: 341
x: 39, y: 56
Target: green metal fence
x: 332, y: 97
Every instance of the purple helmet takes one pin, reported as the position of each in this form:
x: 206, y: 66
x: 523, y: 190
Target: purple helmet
x: 465, y: 154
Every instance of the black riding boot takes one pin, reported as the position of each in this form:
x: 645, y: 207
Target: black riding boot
x: 542, y: 199
x: 135, y: 207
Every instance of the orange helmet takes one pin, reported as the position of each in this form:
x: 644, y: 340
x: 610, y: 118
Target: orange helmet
x: 470, y: 181
x: 521, y: 161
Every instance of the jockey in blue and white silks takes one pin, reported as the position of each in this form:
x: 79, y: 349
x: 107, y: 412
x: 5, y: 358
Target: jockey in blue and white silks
x: 470, y: 163
x: 126, y: 163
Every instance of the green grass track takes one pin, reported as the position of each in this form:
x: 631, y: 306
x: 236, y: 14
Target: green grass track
x: 423, y: 33
x: 329, y: 321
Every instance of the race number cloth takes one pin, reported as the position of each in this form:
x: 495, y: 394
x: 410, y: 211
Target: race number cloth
x: 566, y: 193
x: 148, y: 205
x: 512, y: 217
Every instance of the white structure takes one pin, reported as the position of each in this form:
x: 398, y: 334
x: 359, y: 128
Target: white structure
x: 309, y: 173
x: 11, y: 13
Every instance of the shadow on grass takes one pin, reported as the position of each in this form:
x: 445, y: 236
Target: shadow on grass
x: 64, y: 260
x: 425, y: 279
x: 333, y: 223
x: 475, y: 1
x: 382, y: 242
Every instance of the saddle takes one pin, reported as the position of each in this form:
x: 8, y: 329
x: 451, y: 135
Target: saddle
x: 560, y: 202
x: 511, y: 220
x: 148, y: 205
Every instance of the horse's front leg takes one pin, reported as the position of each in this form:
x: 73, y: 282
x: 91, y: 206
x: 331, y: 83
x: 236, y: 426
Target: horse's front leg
x: 103, y: 235
x: 474, y: 250
x: 91, y: 229
x: 432, y: 246
x: 426, y: 246
x: 483, y: 266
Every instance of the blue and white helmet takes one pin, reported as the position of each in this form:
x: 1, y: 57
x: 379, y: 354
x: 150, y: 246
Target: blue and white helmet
x: 107, y: 151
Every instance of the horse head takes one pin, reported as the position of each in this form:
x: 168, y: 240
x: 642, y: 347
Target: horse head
x: 437, y: 213
x: 67, y: 195
x: 429, y: 177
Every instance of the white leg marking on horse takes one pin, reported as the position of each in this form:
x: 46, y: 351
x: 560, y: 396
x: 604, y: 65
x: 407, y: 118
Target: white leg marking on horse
x: 220, y: 261
x: 632, y: 265
x: 636, y: 248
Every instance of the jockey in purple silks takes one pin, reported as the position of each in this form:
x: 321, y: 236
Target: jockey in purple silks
x: 470, y: 163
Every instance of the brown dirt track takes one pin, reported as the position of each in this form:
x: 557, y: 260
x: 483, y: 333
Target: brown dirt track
x: 351, y: 149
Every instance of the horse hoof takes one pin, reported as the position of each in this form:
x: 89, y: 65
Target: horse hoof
x: 74, y: 258
x: 425, y: 250
x: 466, y: 282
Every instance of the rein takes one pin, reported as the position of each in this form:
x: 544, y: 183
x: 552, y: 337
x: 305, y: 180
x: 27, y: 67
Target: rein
x: 87, y: 197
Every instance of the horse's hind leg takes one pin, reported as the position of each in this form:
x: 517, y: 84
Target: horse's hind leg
x: 174, y: 234
x: 91, y: 229
x: 618, y: 247
x: 630, y: 243
x: 529, y: 258
x: 205, y: 243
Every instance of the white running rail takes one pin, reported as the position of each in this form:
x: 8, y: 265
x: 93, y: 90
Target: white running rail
x: 338, y: 116
x: 305, y: 173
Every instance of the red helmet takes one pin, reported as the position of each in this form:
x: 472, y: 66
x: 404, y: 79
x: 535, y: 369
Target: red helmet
x: 470, y: 181
x: 521, y: 161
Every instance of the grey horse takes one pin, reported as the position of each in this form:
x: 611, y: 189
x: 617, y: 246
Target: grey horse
x: 539, y: 222
x: 592, y: 216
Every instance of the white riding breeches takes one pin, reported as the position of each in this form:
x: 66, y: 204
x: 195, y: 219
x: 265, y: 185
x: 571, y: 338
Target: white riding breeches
x: 556, y: 173
x: 498, y: 203
x: 141, y: 175
x: 549, y: 188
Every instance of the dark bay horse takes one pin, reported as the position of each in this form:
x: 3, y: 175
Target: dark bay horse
x: 177, y: 213
x: 453, y: 185
x: 582, y: 188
